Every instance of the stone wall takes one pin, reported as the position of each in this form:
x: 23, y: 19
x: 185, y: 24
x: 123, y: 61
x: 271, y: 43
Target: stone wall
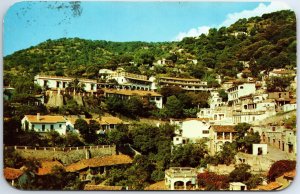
x: 66, y: 155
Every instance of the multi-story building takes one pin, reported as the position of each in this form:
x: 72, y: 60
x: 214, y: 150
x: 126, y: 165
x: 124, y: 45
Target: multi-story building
x: 131, y: 81
x: 184, y: 83
x: 240, y: 90
x: 219, y: 135
x: 61, y: 83
x: 181, y: 178
x: 191, y: 130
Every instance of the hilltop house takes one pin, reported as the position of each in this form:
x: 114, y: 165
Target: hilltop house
x: 44, y: 123
x: 61, y: 83
x: 107, y: 123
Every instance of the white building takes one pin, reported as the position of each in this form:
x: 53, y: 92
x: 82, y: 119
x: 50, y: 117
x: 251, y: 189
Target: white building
x: 192, y: 130
x: 291, y: 106
x: 44, y: 123
x: 237, y: 186
x: 181, y: 178
x: 235, y: 92
x: 131, y: 81
x: 190, y: 84
x: 58, y: 82
x: 215, y: 100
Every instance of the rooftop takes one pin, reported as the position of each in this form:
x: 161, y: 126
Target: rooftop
x: 45, y: 119
x: 181, y: 172
x: 63, y: 78
x: 269, y: 187
x: 47, y: 166
x: 157, y: 186
x: 12, y: 173
x: 98, y: 162
x: 89, y: 187
x: 131, y: 92
x: 223, y: 128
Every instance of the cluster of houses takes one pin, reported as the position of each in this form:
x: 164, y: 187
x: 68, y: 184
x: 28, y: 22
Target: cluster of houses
x: 248, y: 101
x: 63, y: 124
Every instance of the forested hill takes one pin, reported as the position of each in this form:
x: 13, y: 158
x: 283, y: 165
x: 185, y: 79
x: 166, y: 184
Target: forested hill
x: 267, y: 42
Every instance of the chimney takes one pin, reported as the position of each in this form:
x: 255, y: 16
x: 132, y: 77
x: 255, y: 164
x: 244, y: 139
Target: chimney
x: 37, y: 116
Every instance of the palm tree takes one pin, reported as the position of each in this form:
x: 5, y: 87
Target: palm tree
x: 76, y: 86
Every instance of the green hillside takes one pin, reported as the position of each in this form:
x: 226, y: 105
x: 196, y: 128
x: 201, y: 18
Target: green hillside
x: 267, y: 42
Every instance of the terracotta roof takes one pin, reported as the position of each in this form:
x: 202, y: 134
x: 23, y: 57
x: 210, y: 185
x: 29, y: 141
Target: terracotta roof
x: 269, y: 187
x: 131, y: 92
x: 103, y: 120
x: 47, y: 166
x: 45, y: 119
x: 157, y: 186
x: 283, y: 71
x: 98, y: 162
x: 197, y: 119
x: 110, y: 120
x: 180, y: 79
x: 223, y: 128
x: 101, y: 188
x: 12, y: 173
x: 64, y: 78
x: 293, y: 101
x: 290, y: 174
x: 246, y: 71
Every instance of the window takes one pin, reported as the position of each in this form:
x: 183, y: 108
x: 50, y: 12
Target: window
x: 273, y: 128
x: 43, y: 127
x: 52, y: 127
x: 241, y: 87
x: 32, y: 127
x: 177, y: 139
x: 112, y: 126
x: 205, y: 131
x: 57, y: 84
x: 59, y: 125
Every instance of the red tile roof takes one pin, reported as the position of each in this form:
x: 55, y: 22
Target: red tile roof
x: 47, y: 166
x: 12, y: 173
x: 98, y: 162
x: 290, y: 174
x: 223, y: 128
x: 102, y: 188
x: 269, y: 187
x: 157, y: 186
x: 45, y: 119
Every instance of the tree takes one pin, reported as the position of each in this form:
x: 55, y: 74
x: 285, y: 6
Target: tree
x: 280, y: 167
x: 174, y: 107
x: 188, y: 155
x: 87, y: 131
x: 278, y: 84
x: 211, y: 181
x: 229, y: 150
x: 223, y: 95
x: 241, y: 173
x: 119, y: 136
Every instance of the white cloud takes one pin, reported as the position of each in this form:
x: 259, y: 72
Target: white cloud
x: 233, y: 17
x: 258, y: 11
x: 193, y: 32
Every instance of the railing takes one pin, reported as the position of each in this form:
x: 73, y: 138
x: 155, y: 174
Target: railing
x: 59, y: 148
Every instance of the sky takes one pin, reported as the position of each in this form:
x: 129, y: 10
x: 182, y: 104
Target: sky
x: 30, y: 23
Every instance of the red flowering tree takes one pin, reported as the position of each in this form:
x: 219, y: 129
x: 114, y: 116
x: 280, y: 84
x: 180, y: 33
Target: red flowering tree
x: 212, y: 181
x: 280, y: 167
